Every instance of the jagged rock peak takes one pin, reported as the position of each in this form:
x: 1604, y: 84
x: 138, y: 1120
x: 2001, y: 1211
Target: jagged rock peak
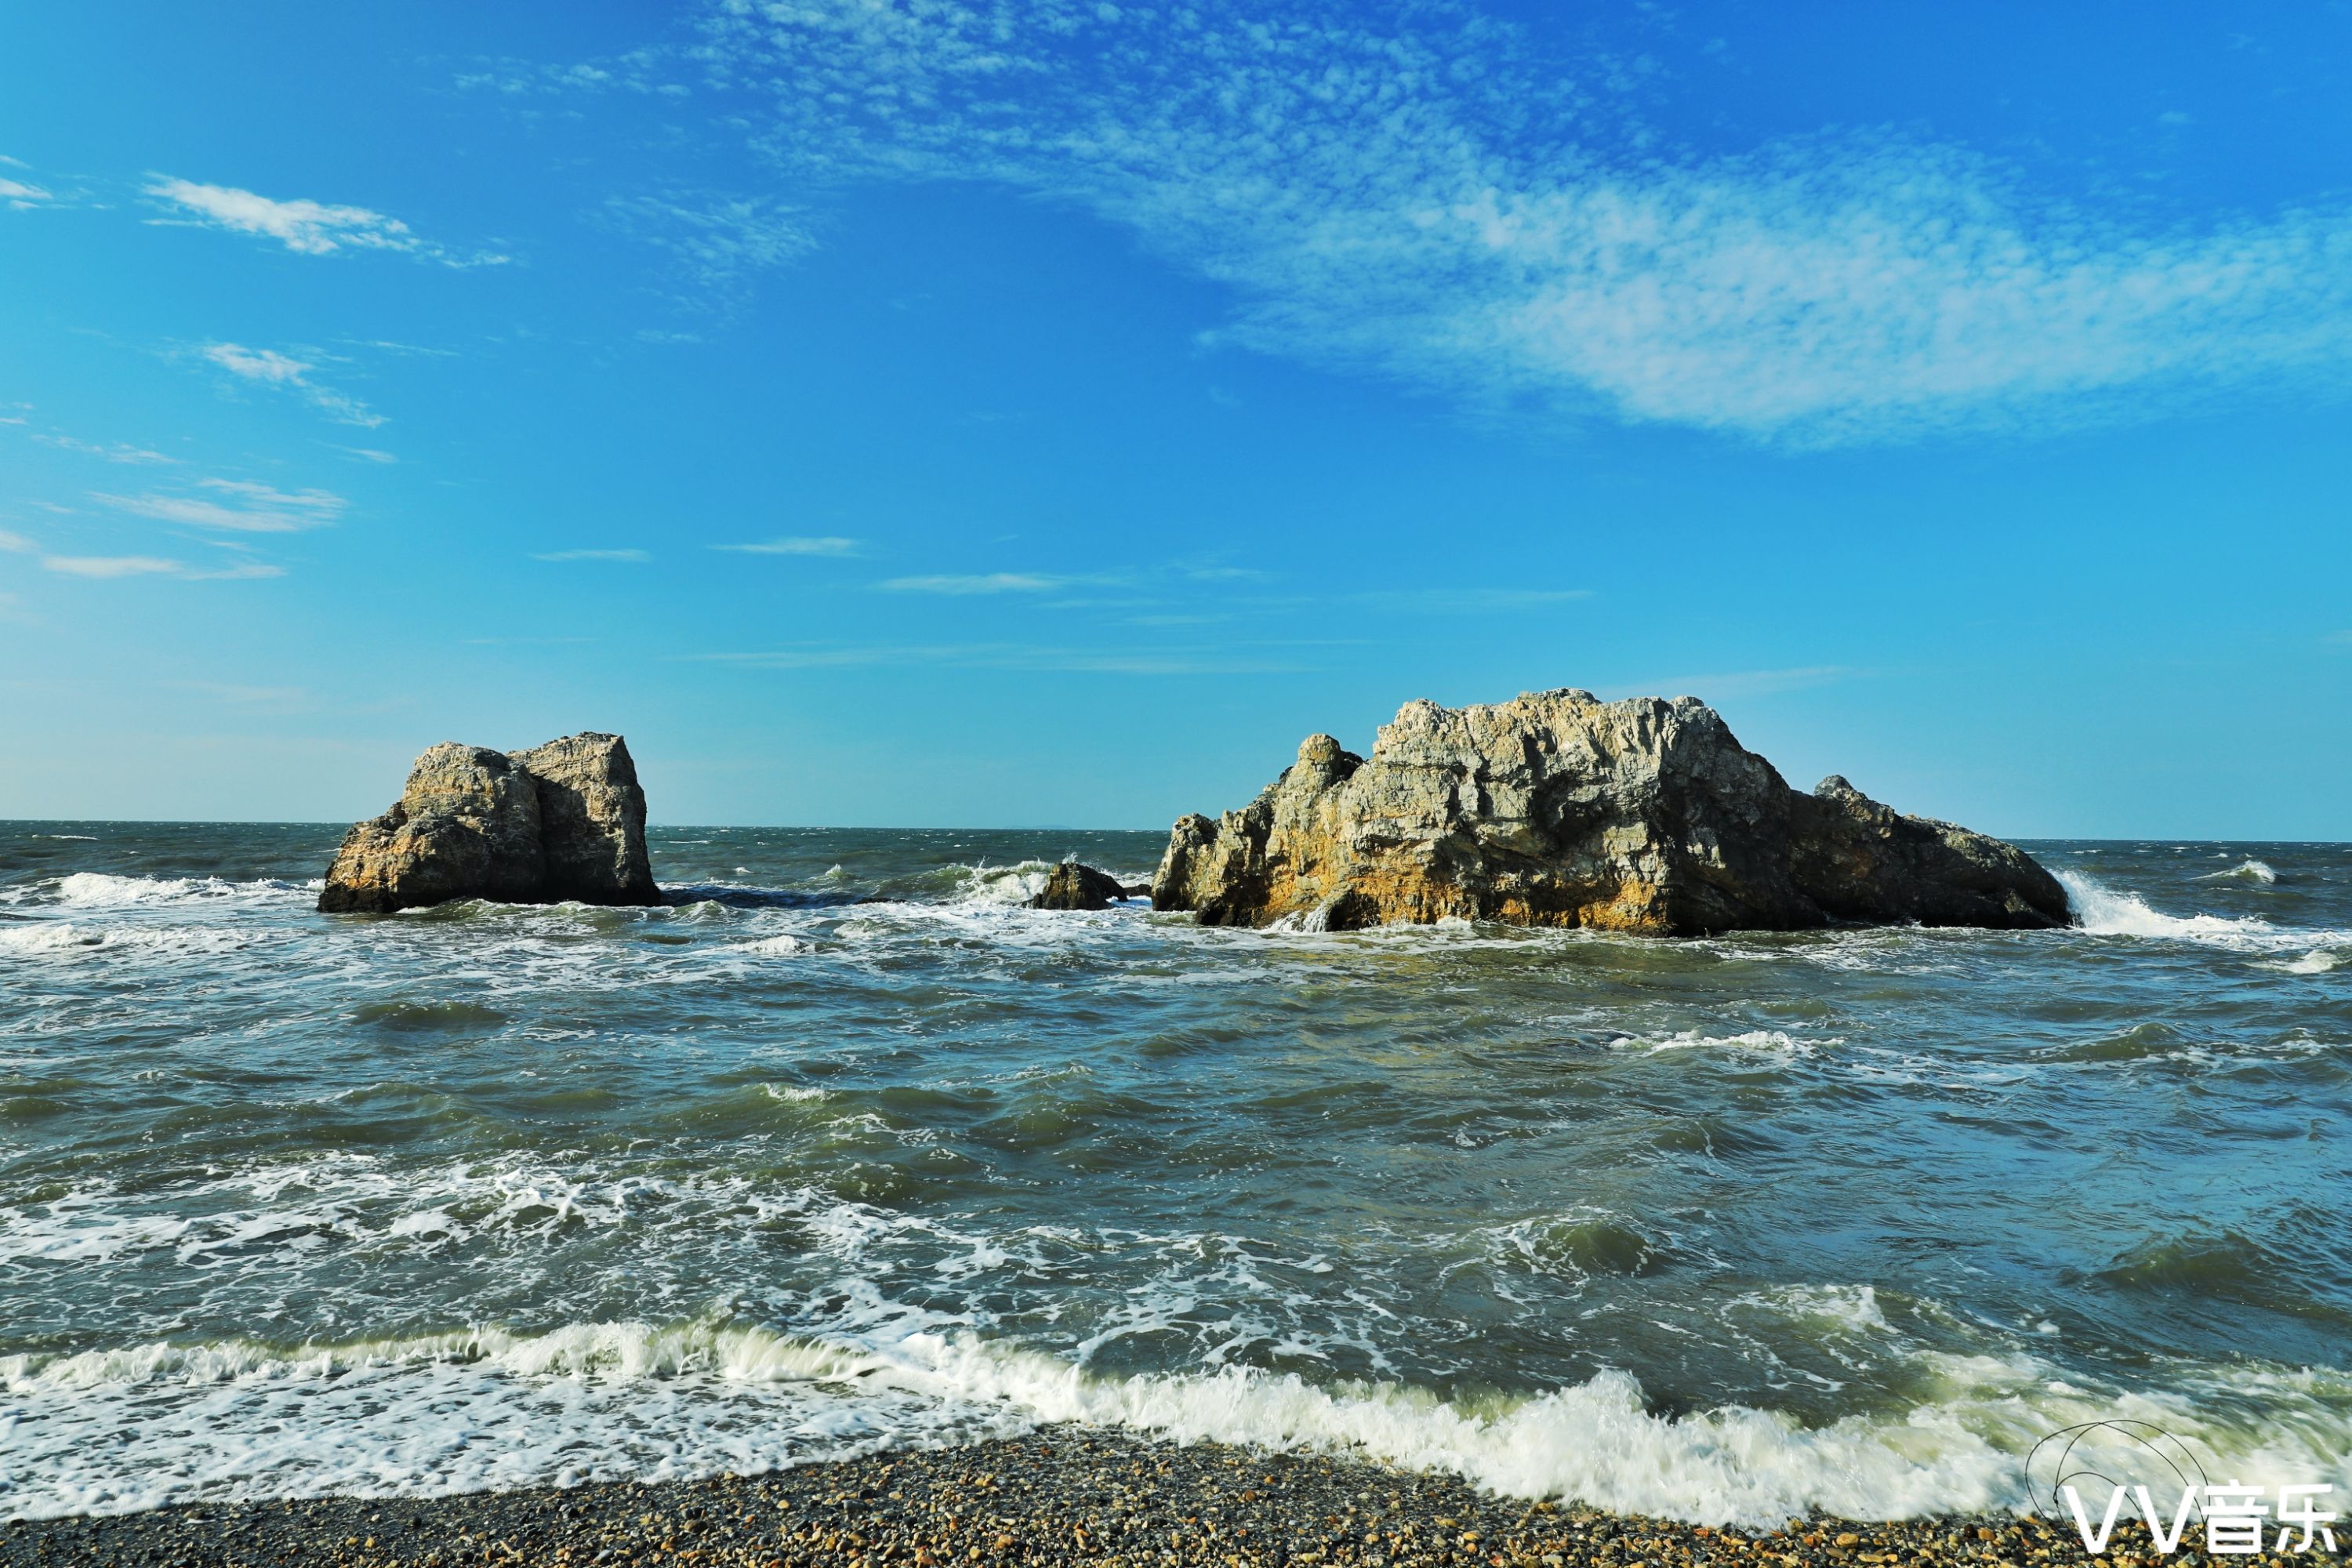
x: 1555, y: 808
x: 566, y: 820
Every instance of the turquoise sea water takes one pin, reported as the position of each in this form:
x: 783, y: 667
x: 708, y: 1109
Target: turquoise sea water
x: 842, y: 1148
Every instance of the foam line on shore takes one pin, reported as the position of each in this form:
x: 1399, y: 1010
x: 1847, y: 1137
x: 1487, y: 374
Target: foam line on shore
x: 479, y: 1408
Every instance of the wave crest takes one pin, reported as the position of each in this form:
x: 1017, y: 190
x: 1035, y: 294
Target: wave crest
x: 2102, y: 910
x: 395, y: 1415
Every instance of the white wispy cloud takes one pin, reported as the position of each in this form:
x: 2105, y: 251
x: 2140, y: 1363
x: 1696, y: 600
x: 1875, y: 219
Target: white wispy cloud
x: 16, y: 543
x: 269, y: 368
x: 256, y: 364
x: 307, y: 227
x: 154, y: 566
x: 628, y: 555
x: 1170, y: 662
x: 643, y: 71
x: 1470, y: 601
x: 829, y: 545
x: 717, y: 241
x: 20, y: 195
x: 245, y: 696
x: 980, y: 582
x: 236, y: 505
x: 1737, y: 682
x: 1435, y: 196
x: 113, y: 452
x: 393, y: 346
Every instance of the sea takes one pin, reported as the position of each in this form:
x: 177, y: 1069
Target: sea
x: 842, y: 1149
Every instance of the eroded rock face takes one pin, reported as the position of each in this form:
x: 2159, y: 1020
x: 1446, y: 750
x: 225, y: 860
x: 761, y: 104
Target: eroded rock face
x: 564, y: 821
x: 591, y: 820
x: 1645, y: 816
x: 1075, y: 887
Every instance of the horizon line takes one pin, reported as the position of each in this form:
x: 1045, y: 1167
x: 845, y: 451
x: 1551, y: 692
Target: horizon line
x: 1050, y: 827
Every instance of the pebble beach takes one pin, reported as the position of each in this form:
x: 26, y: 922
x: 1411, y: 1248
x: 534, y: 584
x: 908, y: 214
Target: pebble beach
x: 1058, y: 1496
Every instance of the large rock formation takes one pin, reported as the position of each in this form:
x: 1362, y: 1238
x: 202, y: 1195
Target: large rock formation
x: 1558, y: 809
x: 564, y: 821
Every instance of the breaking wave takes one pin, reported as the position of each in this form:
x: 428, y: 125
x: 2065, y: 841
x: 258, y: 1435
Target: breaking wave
x: 2102, y: 910
x: 68, y: 939
x: 105, y: 890
x: 2247, y: 870
x: 1758, y: 1042
x: 481, y: 1408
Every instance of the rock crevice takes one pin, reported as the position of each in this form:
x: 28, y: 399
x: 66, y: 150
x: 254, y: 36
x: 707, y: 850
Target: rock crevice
x: 563, y: 821
x: 1558, y: 809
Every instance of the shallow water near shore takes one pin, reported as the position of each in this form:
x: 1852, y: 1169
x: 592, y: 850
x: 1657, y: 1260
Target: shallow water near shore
x: 842, y: 1149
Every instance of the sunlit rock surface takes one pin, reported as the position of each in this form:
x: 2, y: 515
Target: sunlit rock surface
x: 564, y: 821
x: 1558, y: 809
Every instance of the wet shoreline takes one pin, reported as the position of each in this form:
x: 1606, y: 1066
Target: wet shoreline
x: 1061, y: 1495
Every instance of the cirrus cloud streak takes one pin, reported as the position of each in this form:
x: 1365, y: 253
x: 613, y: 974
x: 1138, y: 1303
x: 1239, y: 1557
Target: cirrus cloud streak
x: 303, y: 226
x: 1434, y: 198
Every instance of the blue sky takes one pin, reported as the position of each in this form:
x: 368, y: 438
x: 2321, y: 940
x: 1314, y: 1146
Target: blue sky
x: 1047, y: 414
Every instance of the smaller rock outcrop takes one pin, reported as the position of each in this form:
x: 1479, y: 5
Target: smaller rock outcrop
x: 1076, y: 887
x: 1867, y: 863
x: 564, y: 821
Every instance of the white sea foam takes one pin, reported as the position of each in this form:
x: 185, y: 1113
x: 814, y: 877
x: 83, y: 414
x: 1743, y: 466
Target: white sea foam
x: 2106, y: 911
x: 46, y: 937
x: 494, y: 1406
x: 485, y: 1408
x: 1015, y: 884
x: 99, y: 890
x: 111, y: 891
x: 1759, y: 1042
x: 70, y: 939
x: 277, y: 1215
x: 781, y: 946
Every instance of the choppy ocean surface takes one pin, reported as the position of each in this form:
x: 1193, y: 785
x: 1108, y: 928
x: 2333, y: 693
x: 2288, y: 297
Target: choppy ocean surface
x: 843, y: 1148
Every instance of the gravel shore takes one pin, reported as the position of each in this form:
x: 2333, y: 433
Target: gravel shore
x: 1058, y: 1496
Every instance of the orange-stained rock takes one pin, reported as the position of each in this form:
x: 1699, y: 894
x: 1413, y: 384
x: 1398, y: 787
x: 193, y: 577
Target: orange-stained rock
x: 1558, y: 809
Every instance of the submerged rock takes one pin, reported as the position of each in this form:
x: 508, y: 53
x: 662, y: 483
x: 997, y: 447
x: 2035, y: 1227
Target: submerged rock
x: 1076, y: 887
x: 564, y: 821
x: 1558, y: 809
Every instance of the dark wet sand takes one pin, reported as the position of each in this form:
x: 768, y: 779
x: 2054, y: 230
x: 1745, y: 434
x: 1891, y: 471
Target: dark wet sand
x: 1059, y: 1496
